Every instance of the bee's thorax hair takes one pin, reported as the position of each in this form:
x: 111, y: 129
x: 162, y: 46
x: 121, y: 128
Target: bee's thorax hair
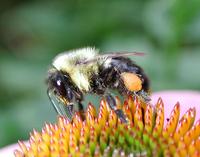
x: 80, y: 74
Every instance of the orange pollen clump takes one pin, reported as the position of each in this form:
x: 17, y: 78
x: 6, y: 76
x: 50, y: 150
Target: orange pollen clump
x: 131, y: 81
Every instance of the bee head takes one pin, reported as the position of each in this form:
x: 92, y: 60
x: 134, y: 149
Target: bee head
x: 59, y: 85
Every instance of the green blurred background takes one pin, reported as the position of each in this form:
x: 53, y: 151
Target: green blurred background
x: 32, y: 32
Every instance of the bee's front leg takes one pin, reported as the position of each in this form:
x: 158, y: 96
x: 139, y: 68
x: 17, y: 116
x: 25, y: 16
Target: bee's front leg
x: 113, y: 106
x: 62, y: 108
x: 69, y: 110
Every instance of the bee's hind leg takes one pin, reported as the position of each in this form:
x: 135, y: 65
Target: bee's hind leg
x: 113, y: 106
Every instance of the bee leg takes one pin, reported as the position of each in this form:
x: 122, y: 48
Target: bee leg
x: 113, y: 106
x: 69, y: 111
x: 81, y: 110
x: 144, y: 95
x: 62, y: 109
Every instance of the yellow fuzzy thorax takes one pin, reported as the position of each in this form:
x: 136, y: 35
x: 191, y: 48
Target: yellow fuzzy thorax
x: 80, y: 74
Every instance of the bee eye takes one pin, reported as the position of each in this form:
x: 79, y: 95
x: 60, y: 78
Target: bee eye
x: 60, y: 87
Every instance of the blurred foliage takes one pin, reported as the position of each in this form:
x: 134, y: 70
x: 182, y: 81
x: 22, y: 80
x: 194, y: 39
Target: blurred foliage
x: 32, y: 32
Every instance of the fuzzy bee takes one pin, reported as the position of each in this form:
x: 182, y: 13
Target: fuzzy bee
x: 78, y: 72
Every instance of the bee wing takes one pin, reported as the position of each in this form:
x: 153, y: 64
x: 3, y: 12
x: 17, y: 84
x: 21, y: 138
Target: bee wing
x: 103, y: 57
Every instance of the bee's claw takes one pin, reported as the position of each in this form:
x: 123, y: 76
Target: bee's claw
x: 144, y: 95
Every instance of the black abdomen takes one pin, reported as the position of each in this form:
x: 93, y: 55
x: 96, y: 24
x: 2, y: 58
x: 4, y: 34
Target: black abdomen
x: 109, y: 77
x: 127, y: 65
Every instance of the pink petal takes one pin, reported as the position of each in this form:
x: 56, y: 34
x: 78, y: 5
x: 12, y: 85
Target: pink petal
x: 187, y: 99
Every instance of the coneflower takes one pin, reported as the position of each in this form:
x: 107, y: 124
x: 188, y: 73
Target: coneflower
x: 103, y: 134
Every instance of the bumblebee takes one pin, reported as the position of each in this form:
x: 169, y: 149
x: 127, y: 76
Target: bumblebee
x: 84, y: 71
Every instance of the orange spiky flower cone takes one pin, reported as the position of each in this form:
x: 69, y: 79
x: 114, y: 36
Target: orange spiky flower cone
x: 103, y: 134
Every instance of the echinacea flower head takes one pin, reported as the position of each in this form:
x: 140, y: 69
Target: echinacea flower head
x: 103, y: 134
